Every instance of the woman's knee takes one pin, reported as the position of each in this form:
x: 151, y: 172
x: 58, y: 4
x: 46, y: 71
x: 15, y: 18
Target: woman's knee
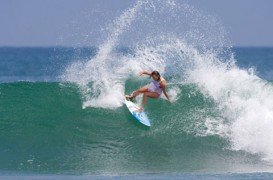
x: 151, y: 95
x: 141, y: 91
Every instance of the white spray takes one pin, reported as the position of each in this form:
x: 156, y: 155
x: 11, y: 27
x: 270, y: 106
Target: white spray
x: 244, y: 100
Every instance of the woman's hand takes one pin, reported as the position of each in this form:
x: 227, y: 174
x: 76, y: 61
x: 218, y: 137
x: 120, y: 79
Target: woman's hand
x: 141, y: 73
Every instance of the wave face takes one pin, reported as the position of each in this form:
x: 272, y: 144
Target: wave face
x: 220, y: 118
x: 45, y: 130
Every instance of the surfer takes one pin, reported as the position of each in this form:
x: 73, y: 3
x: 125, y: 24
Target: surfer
x: 152, y: 90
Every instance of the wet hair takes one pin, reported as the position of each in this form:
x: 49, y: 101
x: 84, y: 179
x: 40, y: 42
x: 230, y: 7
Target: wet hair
x: 155, y: 73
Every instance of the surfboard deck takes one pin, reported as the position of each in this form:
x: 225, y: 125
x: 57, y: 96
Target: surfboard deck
x: 139, y: 116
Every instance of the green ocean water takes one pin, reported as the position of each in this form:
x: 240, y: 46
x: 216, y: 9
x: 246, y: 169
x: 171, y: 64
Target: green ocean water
x: 45, y: 130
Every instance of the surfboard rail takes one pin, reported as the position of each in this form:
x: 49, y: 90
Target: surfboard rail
x: 139, y: 116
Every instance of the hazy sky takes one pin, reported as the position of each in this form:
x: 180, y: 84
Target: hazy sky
x: 55, y: 22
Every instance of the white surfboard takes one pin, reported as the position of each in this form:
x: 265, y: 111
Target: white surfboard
x: 139, y: 116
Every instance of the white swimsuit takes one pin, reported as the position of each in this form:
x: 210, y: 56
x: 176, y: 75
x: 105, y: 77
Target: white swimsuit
x: 154, y: 86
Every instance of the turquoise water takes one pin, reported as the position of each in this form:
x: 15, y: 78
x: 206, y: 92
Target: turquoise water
x: 152, y: 176
x: 45, y: 130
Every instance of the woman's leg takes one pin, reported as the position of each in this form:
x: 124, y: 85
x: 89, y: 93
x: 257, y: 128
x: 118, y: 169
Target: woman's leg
x: 139, y: 91
x: 148, y: 94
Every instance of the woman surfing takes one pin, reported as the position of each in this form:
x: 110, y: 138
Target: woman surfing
x: 152, y: 90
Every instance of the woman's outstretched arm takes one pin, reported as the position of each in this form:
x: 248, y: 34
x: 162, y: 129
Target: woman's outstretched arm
x: 144, y: 72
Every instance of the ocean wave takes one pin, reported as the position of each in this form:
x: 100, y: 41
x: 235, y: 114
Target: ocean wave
x: 45, y: 128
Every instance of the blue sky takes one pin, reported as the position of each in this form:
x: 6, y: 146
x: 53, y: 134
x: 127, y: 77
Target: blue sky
x: 49, y: 22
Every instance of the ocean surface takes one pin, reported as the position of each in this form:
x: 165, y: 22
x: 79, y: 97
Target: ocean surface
x: 62, y: 113
x: 45, y: 129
